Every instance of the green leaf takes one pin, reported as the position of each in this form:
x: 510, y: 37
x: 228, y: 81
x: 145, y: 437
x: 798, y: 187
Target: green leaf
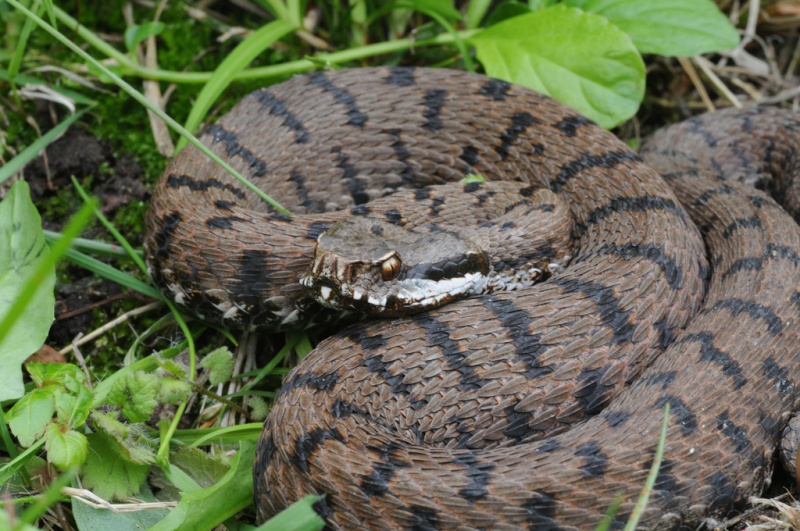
x: 134, y: 35
x: 65, y: 449
x: 117, y: 395
x: 112, y: 427
x: 204, y: 468
x: 219, y: 364
x: 109, y: 475
x: 300, y: 516
x: 173, y: 368
x: 142, y: 392
x: 72, y: 409
x: 30, y: 415
x: 578, y: 58
x: 674, y: 28
x: 22, y: 250
x: 129, y: 443
x: 208, y: 507
x: 172, y: 391
x: 90, y: 519
x: 258, y: 408
x: 44, y: 374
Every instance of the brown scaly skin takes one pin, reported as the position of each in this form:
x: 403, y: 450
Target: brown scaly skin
x: 435, y: 421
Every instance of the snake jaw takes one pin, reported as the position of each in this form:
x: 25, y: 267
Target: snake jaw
x: 373, y: 267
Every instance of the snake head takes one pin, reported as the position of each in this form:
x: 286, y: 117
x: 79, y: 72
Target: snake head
x: 374, y: 267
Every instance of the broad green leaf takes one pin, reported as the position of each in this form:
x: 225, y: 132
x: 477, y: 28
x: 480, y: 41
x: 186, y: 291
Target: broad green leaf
x: 22, y: 250
x: 134, y: 35
x: 107, y: 473
x: 90, y: 519
x: 30, y: 415
x: 208, y: 507
x: 300, y: 516
x: 578, y: 58
x: 674, y: 28
x: 65, y: 448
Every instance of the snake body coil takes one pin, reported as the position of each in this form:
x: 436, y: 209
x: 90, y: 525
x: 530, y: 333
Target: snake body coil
x: 437, y: 420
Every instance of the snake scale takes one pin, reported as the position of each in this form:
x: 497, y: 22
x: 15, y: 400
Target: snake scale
x: 438, y: 420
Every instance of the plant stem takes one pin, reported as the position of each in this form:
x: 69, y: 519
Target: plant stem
x: 130, y: 67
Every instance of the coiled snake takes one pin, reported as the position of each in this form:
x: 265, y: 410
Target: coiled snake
x: 437, y: 420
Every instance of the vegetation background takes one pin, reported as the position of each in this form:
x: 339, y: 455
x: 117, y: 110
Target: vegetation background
x: 129, y: 416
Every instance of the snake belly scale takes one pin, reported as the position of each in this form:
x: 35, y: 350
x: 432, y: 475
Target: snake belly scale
x: 440, y: 420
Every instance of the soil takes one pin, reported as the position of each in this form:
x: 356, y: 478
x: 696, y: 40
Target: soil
x: 116, y: 180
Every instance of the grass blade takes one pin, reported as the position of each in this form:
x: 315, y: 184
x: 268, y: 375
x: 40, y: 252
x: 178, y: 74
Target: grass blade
x: 644, y: 497
x: 234, y: 62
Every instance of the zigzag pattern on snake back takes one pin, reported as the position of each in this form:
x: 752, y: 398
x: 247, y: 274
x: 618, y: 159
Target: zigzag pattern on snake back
x: 435, y: 421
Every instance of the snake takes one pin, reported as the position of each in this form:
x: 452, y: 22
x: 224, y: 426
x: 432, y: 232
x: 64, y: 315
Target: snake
x: 537, y: 407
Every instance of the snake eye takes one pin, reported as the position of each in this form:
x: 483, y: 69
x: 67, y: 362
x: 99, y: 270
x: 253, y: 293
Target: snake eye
x: 390, y: 268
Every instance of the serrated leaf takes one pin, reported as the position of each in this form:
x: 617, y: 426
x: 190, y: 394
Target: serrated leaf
x: 208, y: 507
x: 174, y: 368
x: 22, y: 250
x: 30, y: 415
x: 578, y: 58
x: 258, y: 408
x: 118, y: 394
x: 219, y: 364
x: 107, y: 473
x: 673, y: 28
x: 204, y: 468
x: 129, y: 443
x: 110, y: 425
x: 65, y: 448
x: 142, y: 390
x: 172, y: 391
x: 44, y: 374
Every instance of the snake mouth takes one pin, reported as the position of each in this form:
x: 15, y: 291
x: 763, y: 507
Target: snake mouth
x: 405, y: 297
